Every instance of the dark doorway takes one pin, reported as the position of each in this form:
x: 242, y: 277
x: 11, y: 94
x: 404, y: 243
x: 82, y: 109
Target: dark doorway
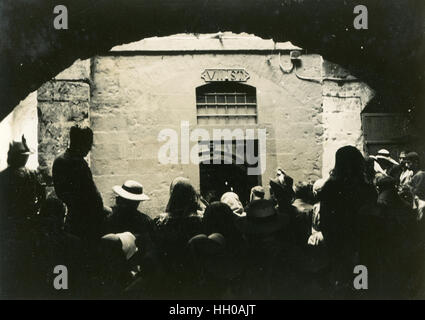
x: 218, y: 178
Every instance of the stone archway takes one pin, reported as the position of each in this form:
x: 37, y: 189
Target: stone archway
x: 388, y: 55
x: 128, y: 91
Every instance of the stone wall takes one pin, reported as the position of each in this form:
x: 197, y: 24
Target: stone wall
x: 62, y: 102
x: 130, y: 95
x: 135, y: 96
x: 344, y: 98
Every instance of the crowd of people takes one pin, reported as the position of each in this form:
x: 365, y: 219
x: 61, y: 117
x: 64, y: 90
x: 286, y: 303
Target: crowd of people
x: 303, y: 241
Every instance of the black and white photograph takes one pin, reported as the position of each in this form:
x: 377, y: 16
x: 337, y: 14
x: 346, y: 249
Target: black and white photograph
x: 181, y: 150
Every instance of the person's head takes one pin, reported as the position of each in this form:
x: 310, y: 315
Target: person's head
x: 262, y: 219
x: 349, y: 165
x: 281, y: 189
x: 412, y: 161
x: 304, y: 191
x: 125, y: 203
x: 402, y: 157
x: 213, y: 263
x: 183, y: 198
x: 407, y: 196
x: 385, y: 183
x: 81, y: 139
x: 257, y: 193
x: 129, y: 194
x: 218, y: 217
x: 232, y: 200
x: 18, y: 153
x: 52, y: 213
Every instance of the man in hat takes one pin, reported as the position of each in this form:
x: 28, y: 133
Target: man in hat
x: 21, y: 191
x: 385, y: 162
x: 257, y: 193
x: 21, y: 195
x: 400, y: 172
x: 126, y: 217
x: 125, y: 214
x: 74, y: 185
x: 272, y: 265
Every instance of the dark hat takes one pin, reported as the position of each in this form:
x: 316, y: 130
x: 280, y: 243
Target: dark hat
x: 214, y: 256
x: 262, y: 218
x: 19, y: 147
x: 283, y: 187
x: 384, y: 181
x: 412, y: 156
x: 131, y: 190
x: 209, y: 244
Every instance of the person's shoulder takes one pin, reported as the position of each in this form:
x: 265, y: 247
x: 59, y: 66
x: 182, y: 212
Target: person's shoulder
x: 331, y: 185
x: 144, y: 217
x: 196, y: 218
x: 60, y: 157
x: 24, y: 173
x: 60, y: 161
x: 420, y: 174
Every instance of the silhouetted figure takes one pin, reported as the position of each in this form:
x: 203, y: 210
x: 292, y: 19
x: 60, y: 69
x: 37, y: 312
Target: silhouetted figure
x: 417, y: 181
x: 257, y: 193
x: 387, y: 165
x: 174, y: 228
x: 126, y: 217
x: 125, y: 214
x: 341, y: 198
x: 400, y: 172
x: 232, y: 200
x: 304, y: 201
x: 52, y: 247
x: 74, y: 185
x: 389, y: 244
x: 21, y: 194
x: 110, y: 270
x: 283, y: 195
x: 219, y: 218
x: 214, y: 268
x: 21, y: 191
x: 272, y: 266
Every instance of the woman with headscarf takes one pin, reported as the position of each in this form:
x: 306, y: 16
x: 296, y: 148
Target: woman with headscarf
x: 174, y: 228
x: 343, y: 195
x: 232, y: 200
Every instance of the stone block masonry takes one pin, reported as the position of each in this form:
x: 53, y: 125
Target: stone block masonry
x: 128, y: 99
x: 62, y: 102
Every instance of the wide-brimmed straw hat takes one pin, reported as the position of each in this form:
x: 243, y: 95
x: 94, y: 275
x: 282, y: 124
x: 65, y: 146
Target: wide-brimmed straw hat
x: 262, y: 218
x: 385, y: 155
x: 131, y: 190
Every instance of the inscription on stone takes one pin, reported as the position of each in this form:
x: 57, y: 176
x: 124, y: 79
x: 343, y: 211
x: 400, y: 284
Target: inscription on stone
x: 237, y: 75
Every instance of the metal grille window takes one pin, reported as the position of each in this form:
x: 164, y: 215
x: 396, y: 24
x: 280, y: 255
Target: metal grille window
x: 226, y: 103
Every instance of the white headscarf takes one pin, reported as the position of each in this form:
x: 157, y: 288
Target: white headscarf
x: 128, y: 241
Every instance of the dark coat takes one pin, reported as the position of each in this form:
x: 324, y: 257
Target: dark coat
x: 171, y: 236
x: 140, y: 225
x: 123, y: 219
x: 417, y: 184
x: 340, y: 203
x: 74, y: 185
x: 21, y: 192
